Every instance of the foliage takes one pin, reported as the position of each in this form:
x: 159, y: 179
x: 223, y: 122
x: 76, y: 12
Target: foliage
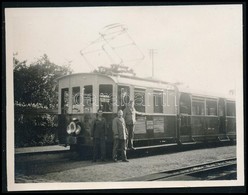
x: 35, y: 94
x: 33, y: 129
x: 35, y: 85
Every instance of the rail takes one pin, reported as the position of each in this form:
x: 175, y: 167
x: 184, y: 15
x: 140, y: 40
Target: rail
x: 221, y: 169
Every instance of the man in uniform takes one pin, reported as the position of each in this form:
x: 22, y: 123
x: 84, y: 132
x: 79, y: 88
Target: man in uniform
x: 99, y: 132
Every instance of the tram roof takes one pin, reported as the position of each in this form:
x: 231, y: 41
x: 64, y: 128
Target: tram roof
x: 202, y: 93
x: 142, y: 82
x: 131, y: 80
x: 150, y: 82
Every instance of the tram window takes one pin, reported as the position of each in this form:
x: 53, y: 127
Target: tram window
x: 231, y: 109
x: 198, y: 108
x: 64, y: 100
x: 105, y: 97
x: 123, y: 96
x: 75, y: 99
x: 88, y: 98
x: 139, y: 100
x: 211, y: 107
x: 158, y: 101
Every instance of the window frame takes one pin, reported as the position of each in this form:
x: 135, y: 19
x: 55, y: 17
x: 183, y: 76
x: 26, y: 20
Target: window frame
x: 91, y: 100
x: 72, y: 100
x: 227, y: 109
x: 63, y: 102
x: 142, y: 90
x: 207, y: 111
x: 110, y: 98
x: 119, y: 106
x: 160, y: 106
x: 202, y: 102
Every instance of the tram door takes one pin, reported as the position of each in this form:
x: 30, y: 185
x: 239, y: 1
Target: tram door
x: 185, y: 118
x: 221, y: 115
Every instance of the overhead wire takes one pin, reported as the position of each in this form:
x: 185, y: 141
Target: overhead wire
x: 107, y: 38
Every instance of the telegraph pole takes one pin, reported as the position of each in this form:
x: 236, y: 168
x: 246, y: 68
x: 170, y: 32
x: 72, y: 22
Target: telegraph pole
x: 152, y: 52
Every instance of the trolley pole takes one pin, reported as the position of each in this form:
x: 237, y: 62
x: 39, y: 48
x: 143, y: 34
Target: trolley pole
x: 152, y: 52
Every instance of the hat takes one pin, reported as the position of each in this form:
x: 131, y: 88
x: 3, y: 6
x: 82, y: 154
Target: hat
x: 100, y: 111
x: 75, y: 119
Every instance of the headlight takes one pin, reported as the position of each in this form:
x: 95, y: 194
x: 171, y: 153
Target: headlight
x: 68, y: 129
x: 78, y: 130
x: 71, y: 127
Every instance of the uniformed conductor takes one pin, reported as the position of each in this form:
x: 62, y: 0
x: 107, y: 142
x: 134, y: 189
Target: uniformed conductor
x: 120, y: 136
x: 99, y: 133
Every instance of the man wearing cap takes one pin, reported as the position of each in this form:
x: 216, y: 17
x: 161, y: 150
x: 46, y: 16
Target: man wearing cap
x: 99, y: 135
x: 120, y: 136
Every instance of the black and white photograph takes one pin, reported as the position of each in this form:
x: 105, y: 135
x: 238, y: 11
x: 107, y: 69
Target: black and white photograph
x: 124, y: 97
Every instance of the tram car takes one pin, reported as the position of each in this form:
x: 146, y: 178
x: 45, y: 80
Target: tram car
x: 166, y: 113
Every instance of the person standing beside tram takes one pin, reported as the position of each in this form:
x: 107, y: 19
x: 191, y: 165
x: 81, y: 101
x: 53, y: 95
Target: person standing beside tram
x: 129, y: 114
x: 120, y: 136
x: 99, y: 136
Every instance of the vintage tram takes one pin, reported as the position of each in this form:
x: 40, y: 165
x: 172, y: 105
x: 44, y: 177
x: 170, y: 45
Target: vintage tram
x: 167, y: 114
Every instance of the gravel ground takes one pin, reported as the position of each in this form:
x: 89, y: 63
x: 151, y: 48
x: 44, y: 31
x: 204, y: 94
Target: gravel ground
x: 110, y: 171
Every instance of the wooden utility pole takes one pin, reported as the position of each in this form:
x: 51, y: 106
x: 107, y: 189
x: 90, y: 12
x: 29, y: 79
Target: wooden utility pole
x: 152, y: 52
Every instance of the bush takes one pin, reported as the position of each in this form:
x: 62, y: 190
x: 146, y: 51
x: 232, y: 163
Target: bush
x: 35, y: 130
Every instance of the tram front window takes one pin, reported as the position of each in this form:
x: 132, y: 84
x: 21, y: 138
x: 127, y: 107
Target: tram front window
x: 88, y: 98
x: 64, y: 100
x: 75, y: 99
x: 105, y: 97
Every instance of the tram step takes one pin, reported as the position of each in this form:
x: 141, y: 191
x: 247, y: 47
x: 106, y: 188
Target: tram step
x: 188, y: 143
x: 224, y: 139
x: 155, y: 146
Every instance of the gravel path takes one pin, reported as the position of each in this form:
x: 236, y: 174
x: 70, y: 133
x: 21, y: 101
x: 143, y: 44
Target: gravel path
x: 110, y: 171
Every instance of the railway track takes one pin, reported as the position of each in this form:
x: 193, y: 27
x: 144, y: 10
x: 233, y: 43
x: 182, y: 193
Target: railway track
x: 218, y: 170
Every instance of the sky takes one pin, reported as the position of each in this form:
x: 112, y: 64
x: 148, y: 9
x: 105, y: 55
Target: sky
x: 200, y: 46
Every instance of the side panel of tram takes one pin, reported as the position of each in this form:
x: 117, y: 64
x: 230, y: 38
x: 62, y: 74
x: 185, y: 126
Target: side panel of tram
x: 158, y: 124
x: 204, y: 119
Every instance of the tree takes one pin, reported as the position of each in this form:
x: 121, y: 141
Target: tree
x: 35, y: 85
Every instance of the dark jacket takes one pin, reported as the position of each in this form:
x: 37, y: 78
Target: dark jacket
x: 99, y: 129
